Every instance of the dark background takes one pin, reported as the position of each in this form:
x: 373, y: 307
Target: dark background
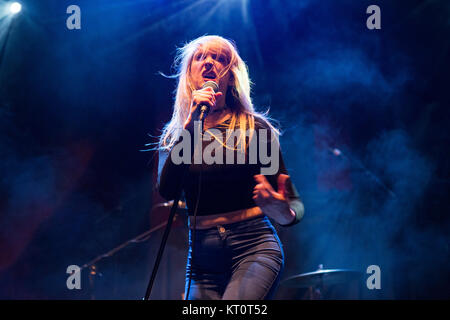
x: 77, y: 107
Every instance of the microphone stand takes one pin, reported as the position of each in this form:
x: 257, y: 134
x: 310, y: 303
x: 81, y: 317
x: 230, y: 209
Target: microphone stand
x: 173, y: 210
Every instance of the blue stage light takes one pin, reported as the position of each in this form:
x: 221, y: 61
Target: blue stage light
x: 15, y: 7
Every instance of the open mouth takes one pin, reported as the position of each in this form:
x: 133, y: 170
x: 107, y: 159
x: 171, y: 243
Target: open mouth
x: 210, y: 75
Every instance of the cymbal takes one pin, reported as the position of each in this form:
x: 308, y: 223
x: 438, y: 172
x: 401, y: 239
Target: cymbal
x: 321, y: 277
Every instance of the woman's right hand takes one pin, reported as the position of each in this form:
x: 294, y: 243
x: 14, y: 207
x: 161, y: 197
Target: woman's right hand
x: 205, y: 96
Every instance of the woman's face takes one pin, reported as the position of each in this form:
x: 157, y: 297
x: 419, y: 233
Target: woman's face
x: 209, y: 65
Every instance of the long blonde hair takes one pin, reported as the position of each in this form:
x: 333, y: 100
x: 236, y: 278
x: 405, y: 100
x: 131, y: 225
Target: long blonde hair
x: 238, y: 96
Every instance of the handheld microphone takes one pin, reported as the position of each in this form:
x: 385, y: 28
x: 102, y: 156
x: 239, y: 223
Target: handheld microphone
x: 204, y: 109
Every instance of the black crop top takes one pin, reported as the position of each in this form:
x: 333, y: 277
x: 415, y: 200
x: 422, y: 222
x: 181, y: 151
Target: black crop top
x: 224, y: 187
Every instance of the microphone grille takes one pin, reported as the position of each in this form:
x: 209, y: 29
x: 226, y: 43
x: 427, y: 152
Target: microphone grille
x: 211, y: 84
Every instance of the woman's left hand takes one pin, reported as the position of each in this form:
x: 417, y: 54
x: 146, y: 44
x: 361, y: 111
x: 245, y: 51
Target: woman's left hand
x: 273, y: 203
